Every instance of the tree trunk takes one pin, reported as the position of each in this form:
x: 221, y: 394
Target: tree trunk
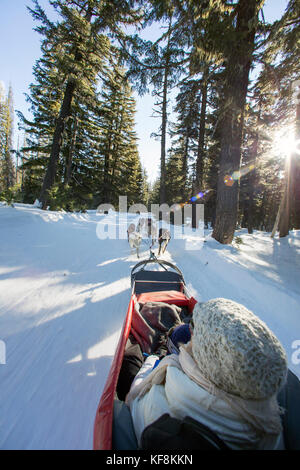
x: 253, y: 176
x: 185, y: 163
x: 115, y: 152
x: 284, y: 215
x: 201, y: 139
x: 262, y: 212
x: 162, y: 190
x: 295, y: 173
x: 236, y: 85
x: 252, y: 183
x: 107, y: 176
x: 65, y: 112
x: 69, y: 161
x: 291, y: 197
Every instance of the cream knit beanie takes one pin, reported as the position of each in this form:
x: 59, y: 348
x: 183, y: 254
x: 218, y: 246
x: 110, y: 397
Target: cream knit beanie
x: 236, y: 351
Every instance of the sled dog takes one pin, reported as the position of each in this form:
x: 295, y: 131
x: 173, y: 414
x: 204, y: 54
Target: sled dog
x: 131, y: 229
x: 164, y: 237
x: 135, y: 240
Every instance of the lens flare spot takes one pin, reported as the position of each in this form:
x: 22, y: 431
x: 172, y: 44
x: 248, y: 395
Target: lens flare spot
x: 236, y: 175
x: 228, y: 180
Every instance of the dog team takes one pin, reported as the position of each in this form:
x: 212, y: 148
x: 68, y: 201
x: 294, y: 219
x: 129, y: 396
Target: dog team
x: 147, y: 228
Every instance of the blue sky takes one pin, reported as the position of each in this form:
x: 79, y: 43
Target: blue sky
x: 20, y: 48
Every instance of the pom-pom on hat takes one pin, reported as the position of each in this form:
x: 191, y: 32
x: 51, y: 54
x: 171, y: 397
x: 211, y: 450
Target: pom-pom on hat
x: 236, y: 351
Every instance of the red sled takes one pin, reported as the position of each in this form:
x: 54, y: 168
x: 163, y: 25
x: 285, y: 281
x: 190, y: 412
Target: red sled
x: 167, y: 285
x: 164, y: 285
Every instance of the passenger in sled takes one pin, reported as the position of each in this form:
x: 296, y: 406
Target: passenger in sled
x: 218, y: 389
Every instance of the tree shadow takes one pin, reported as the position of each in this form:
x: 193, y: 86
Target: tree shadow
x: 59, y: 354
x: 281, y: 266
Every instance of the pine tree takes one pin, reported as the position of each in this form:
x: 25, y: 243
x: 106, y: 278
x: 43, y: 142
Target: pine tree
x: 185, y: 138
x: 122, y: 172
x: 64, y: 143
x: 157, y: 65
x: 286, y: 40
x: 154, y: 192
x: 176, y: 179
x: 80, y: 31
x: 199, y: 28
x: 7, y: 170
x: 281, y: 72
x: 162, y: 83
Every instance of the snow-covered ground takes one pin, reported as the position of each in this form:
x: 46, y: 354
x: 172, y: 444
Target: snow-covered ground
x: 63, y: 299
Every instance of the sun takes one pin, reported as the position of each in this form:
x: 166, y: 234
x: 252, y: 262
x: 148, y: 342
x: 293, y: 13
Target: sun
x: 285, y: 144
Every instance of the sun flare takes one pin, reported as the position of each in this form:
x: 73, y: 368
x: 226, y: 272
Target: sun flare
x: 285, y: 144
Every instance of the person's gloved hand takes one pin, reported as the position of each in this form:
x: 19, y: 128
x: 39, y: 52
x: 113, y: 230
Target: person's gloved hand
x: 162, y: 351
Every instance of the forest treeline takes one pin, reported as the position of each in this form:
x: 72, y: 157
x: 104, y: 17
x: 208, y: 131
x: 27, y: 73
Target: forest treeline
x: 230, y: 141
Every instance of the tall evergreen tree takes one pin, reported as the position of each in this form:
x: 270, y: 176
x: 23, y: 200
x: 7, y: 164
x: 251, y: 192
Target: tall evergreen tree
x: 122, y: 171
x: 276, y: 87
x: 81, y: 31
x: 185, y: 131
x: 283, y: 55
x: 159, y: 65
x: 7, y: 171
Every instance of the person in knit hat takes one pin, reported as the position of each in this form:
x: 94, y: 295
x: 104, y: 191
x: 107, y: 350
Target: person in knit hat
x: 236, y: 351
x: 226, y: 377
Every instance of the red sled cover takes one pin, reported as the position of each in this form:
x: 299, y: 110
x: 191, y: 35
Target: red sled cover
x: 168, y: 297
x: 104, y: 415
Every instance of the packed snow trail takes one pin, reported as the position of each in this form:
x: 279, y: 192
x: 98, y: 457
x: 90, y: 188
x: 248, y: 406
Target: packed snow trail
x: 63, y: 299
